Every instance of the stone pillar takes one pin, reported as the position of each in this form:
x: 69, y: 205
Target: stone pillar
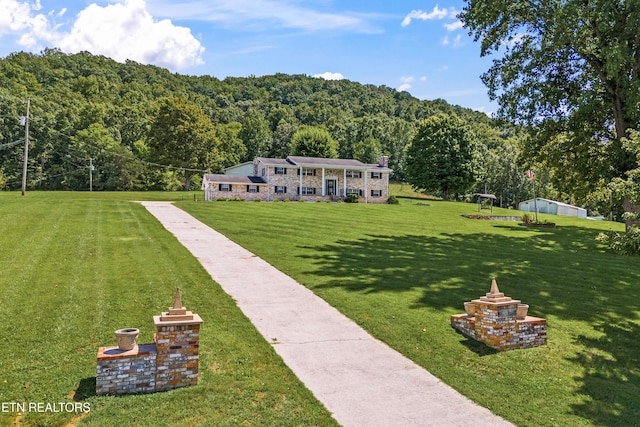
x: 496, y: 319
x: 177, y: 346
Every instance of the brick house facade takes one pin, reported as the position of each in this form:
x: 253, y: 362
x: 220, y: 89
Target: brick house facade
x: 303, y: 179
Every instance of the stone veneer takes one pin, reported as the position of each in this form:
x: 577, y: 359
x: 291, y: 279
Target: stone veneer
x: 132, y: 371
x: 493, y: 320
x: 170, y: 362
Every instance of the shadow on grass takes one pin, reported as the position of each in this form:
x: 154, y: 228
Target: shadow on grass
x: 558, y: 272
x: 477, y: 347
x: 611, y: 379
x: 86, y: 389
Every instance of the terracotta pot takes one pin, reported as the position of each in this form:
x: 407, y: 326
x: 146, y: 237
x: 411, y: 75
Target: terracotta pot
x: 127, y: 338
x: 470, y: 308
x: 521, y: 312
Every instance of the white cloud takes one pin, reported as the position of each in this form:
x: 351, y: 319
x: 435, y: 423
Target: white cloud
x: 15, y: 17
x: 457, y: 41
x: 256, y: 14
x: 436, y: 13
x: 122, y: 30
x: 454, y: 26
x: 407, y: 82
x: 516, y: 39
x: 329, y: 76
x: 127, y: 31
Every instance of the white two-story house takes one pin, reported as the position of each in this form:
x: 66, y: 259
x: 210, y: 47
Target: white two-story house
x: 305, y: 179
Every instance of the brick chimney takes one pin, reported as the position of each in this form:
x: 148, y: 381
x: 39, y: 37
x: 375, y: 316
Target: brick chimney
x: 383, y: 161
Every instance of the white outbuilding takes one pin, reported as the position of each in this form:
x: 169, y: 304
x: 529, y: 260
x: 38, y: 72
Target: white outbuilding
x: 552, y: 207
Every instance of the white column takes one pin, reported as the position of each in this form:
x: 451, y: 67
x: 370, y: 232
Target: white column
x: 323, y: 184
x: 366, y: 185
x: 344, y: 179
x: 300, y: 192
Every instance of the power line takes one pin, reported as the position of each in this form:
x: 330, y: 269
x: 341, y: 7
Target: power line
x: 11, y: 144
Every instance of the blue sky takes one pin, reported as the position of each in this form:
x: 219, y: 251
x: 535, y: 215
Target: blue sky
x: 417, y: 46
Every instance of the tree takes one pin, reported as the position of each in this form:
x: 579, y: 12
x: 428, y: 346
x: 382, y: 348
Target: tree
x: 367, y: 151
x: 255, y: 134
x: 570, y: 69
x: 503, y: 177
x: 442, y: 156
x: 231, y: 147
x: 314, y: 142
x: 114, y: 165
x: 182, y: 136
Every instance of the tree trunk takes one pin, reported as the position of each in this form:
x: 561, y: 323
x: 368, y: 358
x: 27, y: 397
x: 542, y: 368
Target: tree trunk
x: 618, y: 116
x: 187, y: 180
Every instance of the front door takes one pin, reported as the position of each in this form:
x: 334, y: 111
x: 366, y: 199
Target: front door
x: 331, y: 187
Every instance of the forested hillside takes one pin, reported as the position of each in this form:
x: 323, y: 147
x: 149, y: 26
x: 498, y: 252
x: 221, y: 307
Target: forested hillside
x: 87, y: 109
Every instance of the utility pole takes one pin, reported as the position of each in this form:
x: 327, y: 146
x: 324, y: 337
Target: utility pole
x: 90, y: 174
x: 26, y: 148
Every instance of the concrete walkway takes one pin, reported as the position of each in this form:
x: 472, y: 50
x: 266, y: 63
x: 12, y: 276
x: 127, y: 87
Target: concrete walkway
x: 359, y: 379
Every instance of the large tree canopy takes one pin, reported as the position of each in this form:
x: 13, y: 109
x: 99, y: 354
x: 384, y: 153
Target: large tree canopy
x: 570, y: 69
x: 442, y: 156
x: 182, y: 136
x: 252, y: 116
x: 314, y: 142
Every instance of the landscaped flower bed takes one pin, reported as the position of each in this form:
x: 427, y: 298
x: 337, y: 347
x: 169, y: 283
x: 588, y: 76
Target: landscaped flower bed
x: 493, y: 217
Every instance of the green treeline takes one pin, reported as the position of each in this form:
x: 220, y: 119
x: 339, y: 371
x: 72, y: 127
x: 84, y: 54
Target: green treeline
x: 144, y: 128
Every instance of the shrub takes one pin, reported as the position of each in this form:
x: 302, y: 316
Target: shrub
x: 392, y: 200
x: 221, y: 199
x: 257, y: 200
x: 352, y: 198
x: 624, y: 243
x: 527, y: 218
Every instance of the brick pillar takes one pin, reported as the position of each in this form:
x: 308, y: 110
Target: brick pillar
x: 177, y: 343
x: 495, y: 322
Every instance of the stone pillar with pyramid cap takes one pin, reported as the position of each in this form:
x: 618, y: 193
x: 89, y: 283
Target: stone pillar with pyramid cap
x: 494, y: 320
x: 495, y: 317
x: 177, y: 342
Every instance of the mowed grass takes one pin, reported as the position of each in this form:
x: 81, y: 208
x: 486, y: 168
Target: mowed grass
x: 77, y: 266
x: 400, y: 271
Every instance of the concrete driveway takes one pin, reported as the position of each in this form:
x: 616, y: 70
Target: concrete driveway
x: 359, y: 379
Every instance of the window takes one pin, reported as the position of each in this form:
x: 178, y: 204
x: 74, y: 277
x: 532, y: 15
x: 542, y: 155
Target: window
x: 224, y: 187
x: 281, y: 171
x: 354, y: 191
x: 307, y: 172
x: 253, y: 189
x: 376, y: 193
x: 376, y: 175
x: 280, y: 189
x: 262, y: 170
x: 354, y: 174
x: 307, y: 190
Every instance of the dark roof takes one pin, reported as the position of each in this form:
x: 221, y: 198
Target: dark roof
x: 234, y: 179
x: 274, y: 162
x: 377, y: 166
x: 488, y: 196
x: 297, y: 161
x: 320, y: 161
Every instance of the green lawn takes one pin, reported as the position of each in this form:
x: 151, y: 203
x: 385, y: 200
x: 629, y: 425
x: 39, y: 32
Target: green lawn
x: 77, y: 266
x: 401, y: 270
